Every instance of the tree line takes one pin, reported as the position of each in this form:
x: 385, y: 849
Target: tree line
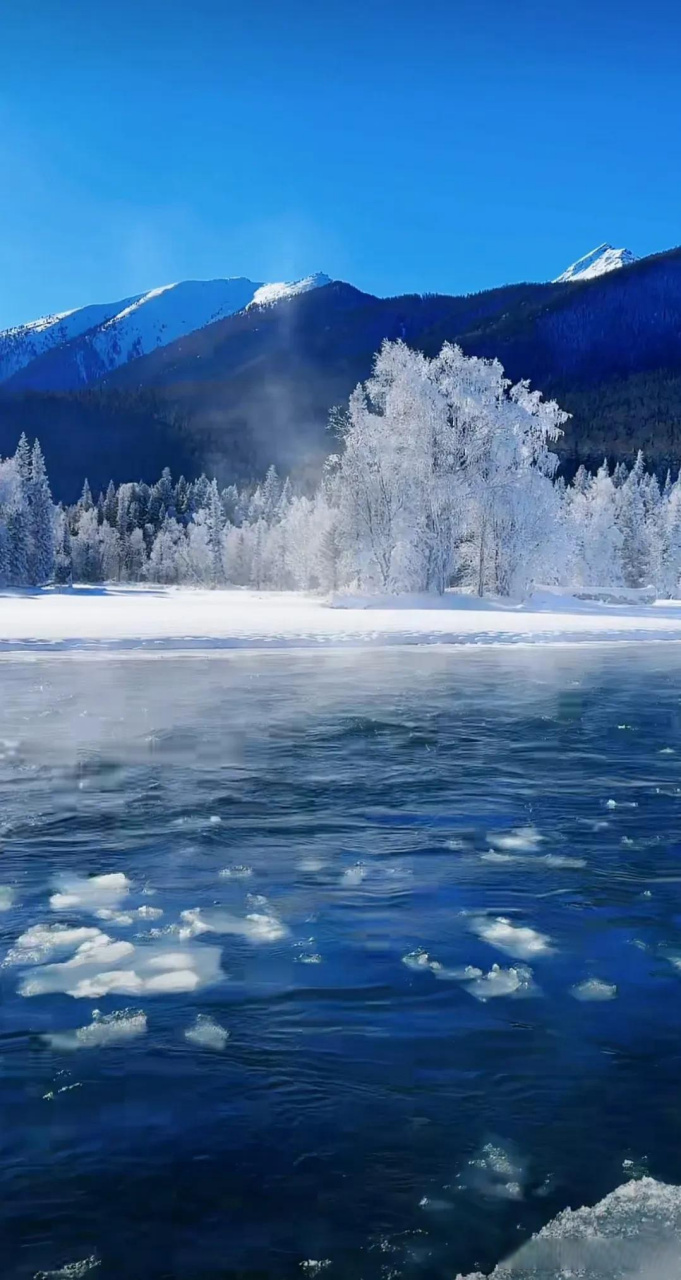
x: 446, y: 476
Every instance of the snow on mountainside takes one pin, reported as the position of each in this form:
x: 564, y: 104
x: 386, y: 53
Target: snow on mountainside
x: 269, y: 293
x: 597, y: 263
x: 71, y: 350
x: 25, y: 342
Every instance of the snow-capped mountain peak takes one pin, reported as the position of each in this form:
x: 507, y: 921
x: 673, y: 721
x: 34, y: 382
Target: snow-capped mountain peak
x: 76, y: 348
x: 269, y: 293
x: 601, y: 260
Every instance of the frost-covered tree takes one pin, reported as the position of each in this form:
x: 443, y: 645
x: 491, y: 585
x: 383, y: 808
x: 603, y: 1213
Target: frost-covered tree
x: 41, y: 543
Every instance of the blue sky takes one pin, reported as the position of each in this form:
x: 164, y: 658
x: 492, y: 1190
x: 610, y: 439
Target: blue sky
x: 447, y: 146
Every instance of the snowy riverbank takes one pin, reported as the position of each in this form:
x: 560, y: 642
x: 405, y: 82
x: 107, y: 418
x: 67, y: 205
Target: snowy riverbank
x: 176, y: 619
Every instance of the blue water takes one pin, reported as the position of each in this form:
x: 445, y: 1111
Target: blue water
x: 363, y: 1111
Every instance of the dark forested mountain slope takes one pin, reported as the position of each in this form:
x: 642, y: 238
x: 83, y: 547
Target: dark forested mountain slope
x: 256, y: 386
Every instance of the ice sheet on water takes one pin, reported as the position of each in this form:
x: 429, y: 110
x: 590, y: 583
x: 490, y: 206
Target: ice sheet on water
x: 538, y: 860
x: 89, y: 893
x: 71, y: 1271
x: 633, y: 1234
x: 497, y: 1171
x: 104, y: 1030
x: 520, y: 941
x: 594, y: 989
x: 6, y: 897
x: 236, y: 873
x: 101, y: 966
x: 206, y: 1033
x: 421, y: 962
x: 353, y: 876
x: 41, y: 941
x: 520, y: 840
x: 128, y: 917
x: 516, y: 981
x: 257, y: 926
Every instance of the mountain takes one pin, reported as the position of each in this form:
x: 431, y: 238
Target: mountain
x: 597, y: 263
x: 78, y: 348
x: 255, y: 386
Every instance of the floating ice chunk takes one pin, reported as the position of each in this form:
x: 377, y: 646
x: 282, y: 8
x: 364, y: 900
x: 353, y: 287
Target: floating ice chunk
x: 634, y: 1233
x: 172, y: 982
x: 236, y: 873
x: 667, y: 751
x: 258, y: 926
x: 72, y: 1270
x: 41, y: 941
x: 128, y: 917
x: 594, y: 989
x: 497, y: 1171
x: 6, y: 897
x: 207, y: 1033
x: 215, y: 820
x: 311, y: 865
x: 562, y: 860
x: 354, y: 875
x: 90, y: 893
x: 114, y: 1028
x: 421, y: 962
x: 96, y: 970
x: 309, y: 957
x: 466, y: 973
x: 516, y: 981
x: 521, y: 840
x: 313, y: 1266
x: 621, y: 804
x: 519, y: 941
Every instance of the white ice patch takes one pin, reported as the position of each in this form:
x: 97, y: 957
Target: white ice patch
x: 90, y: 893
x: 594, y: 989
x: 421, y: 962
x: 206, y: 1033
x: 515, y: 981
x: 102, y: 966
x: 236, y: 873
x: 633, y: 1234
x: 6, y: 897
x: 354, y: 876
x: 311, y: 865
x: 41, y: 941
x: 519, y: 941
x: 128, y: 917
x: 258, y: 926
x: 72, y: 1270
x: 114, y: 1028
x: 520, y: 840
x: 497, y: 1171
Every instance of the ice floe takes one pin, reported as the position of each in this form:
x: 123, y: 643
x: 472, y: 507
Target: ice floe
x: 257, y: 926
x: 89, y: 893
x: 497, y: 1171
x: 633, y: 1234
x: 206, y: 1033
x: 101, y: 966
x: 519, y: 941
x: 6, y: 897
x: 41, y: 941
x: 108, y: 1029
x: 520, y: 840
x: 515, y: 981
x: 236, y: 873
x: 72, y: 1270
x: 594, y: 989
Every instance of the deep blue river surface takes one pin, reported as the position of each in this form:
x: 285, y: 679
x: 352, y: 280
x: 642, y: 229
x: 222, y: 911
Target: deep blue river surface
x: 251, y: 1023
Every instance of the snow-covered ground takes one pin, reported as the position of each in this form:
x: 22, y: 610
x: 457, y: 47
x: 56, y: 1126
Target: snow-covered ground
x: 176, y: 618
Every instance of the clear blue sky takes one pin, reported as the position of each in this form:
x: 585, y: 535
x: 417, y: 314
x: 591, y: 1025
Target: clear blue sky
x: 449, y: 145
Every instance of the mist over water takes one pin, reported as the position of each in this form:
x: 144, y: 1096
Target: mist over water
x: 366, y: 964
